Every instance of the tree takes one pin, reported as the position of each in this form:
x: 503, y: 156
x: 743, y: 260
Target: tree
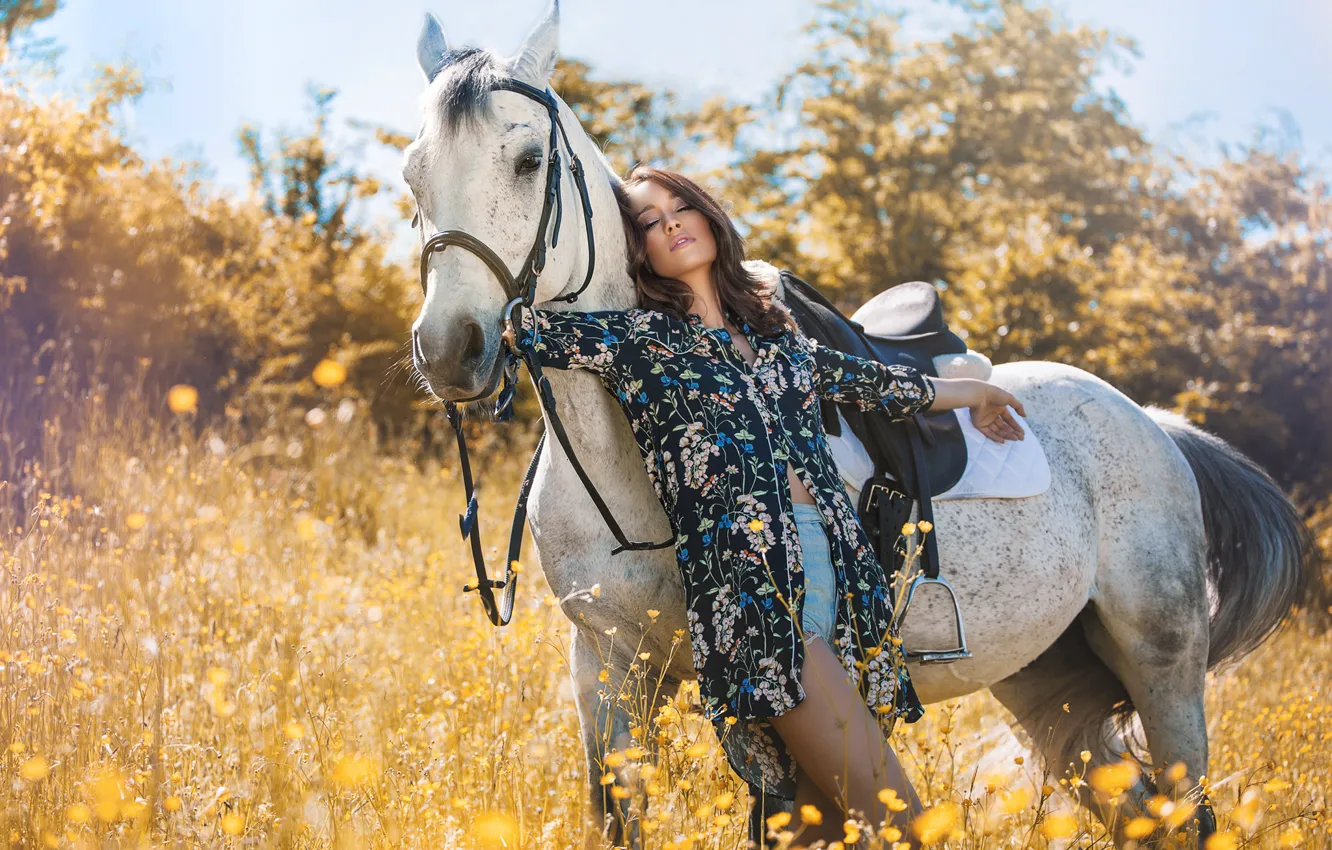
x: 17, y: 15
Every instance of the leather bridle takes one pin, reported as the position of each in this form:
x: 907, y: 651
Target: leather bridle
x: 521, y: 292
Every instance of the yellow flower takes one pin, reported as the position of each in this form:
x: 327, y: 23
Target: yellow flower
x: 495, y: 829
x: 908, y: 529
x: 756, y: 525
x: 852, y: 832
x: 172, y: 803
x: 295, y: 730
x: 35, y: 769
x: 182, y: 399
x: 925, y: 526
x: 109, y: 794
x: 936, y: 823
x: 890, y: 798
x: 1139, y: 828
x: 778, y: 820
x: 329, y: 373
x: 354, y: 770
x: 1059, y: 825
x: 134, y: 522
x: 1181, y: 812
x: 811, y: 815
x: 1114, y: 779
x: 1015, y: 801
x: 233, y: 824
x: 1227, y: 840
x: 78, y: 813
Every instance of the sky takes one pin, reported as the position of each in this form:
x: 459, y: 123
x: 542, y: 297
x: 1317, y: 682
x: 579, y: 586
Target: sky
x: 1209, y: 71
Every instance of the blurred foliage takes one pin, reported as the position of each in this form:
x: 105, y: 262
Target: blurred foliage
x: 991, y: 162
x: 112, y: 266
x: 630, y: 122
x: 17, y: 15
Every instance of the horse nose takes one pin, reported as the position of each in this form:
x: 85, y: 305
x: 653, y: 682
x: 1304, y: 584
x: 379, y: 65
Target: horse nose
x: 422, y: 364
x: 452, y: 359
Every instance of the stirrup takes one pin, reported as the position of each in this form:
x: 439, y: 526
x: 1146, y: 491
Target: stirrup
x: 944, y: 656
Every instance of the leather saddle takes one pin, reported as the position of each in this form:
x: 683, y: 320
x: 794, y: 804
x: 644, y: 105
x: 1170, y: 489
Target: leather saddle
x: 904, y: 325
x: 913, y: 458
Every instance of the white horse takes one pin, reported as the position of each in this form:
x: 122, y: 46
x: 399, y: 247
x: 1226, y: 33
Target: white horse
x: 1157, y: 551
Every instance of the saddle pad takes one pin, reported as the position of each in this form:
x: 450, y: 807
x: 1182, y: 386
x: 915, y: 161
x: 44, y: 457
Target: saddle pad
x: 1014, y: 469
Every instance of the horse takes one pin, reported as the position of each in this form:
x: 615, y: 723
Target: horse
x: 1094, y: 610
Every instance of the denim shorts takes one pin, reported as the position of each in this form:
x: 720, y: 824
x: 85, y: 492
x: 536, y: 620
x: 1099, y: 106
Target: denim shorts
x: 819, y: 613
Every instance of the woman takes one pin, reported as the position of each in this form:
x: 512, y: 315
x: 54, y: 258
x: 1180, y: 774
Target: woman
x: 788, y: 608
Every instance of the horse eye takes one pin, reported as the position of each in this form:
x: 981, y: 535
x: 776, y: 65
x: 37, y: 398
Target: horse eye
x: 529, y: 163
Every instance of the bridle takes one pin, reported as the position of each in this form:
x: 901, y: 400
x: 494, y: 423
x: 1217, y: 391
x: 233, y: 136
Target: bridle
x: 521, y: 291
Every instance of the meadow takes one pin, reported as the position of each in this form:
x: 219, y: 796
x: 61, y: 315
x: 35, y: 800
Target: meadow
x: 235, y: 639
x: 232, y: 601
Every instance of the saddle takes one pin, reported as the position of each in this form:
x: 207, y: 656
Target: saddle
x: 914, y: 458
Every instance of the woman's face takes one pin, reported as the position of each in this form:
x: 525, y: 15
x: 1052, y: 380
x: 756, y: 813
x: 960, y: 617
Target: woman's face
x: 679, y: 238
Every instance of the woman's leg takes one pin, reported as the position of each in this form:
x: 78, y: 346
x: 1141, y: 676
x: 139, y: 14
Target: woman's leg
x: 808, y: 793
x: 838, y: 744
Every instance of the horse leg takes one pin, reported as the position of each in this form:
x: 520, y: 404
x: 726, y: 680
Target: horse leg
x: 1064, y: 703
x: 1150, y: 627
x: 604, y: 727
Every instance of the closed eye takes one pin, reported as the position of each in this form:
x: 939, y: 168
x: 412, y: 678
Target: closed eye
x: 650, y: 224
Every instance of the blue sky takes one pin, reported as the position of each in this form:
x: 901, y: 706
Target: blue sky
x: 213, y: 67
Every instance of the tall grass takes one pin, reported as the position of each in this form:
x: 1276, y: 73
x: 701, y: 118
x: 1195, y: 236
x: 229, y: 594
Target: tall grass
x: 214, y: 637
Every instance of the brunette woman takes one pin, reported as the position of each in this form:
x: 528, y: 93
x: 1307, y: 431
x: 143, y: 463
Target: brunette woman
x: 789, y: 613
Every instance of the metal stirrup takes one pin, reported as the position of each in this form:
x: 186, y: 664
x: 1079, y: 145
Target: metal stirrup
x: 930, y: 559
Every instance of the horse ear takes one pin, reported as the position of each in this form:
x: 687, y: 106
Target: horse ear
x: 431, y: 47
x: 536, y: 60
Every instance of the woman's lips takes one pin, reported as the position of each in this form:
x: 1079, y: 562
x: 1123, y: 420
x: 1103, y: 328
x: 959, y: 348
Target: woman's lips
x: 681, y: 241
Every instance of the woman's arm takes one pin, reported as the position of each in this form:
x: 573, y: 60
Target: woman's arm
x: 891, y: 387
x: 901, y: 391
x: 574, y: 339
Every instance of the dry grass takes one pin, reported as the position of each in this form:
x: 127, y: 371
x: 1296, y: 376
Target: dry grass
x: 231, y: 641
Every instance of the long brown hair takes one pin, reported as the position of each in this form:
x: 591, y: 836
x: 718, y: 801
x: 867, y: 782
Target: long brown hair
x: 743, y: 293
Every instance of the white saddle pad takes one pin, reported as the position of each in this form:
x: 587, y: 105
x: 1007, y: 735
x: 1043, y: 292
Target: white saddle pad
x: 1011, y: 470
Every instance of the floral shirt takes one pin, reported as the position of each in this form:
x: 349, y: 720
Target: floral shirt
x: 716, y: 435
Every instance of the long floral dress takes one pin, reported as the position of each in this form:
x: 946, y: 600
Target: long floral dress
x: 716, y: 434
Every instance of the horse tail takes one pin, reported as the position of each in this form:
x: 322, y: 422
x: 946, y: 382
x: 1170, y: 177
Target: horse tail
x: 1260, y: 552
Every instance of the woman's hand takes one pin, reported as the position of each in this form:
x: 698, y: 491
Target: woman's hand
x: 991, y: 416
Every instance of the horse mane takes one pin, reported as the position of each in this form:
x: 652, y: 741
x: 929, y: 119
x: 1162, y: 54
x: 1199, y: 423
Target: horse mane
x: 469, y: 75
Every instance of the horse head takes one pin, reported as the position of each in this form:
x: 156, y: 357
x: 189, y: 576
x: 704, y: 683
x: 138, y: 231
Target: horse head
x: 480, y: 166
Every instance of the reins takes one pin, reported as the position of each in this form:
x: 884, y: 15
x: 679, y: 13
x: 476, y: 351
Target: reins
x: 521, y: 291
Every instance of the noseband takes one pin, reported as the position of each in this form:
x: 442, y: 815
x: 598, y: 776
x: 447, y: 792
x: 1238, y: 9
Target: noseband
x: 521, y: 291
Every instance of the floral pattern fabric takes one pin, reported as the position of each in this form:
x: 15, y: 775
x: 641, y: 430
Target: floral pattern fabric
x: 716, y: 435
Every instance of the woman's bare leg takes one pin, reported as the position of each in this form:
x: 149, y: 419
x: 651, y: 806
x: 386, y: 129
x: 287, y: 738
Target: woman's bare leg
x: 838, y: 744
x: 808, y: 793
